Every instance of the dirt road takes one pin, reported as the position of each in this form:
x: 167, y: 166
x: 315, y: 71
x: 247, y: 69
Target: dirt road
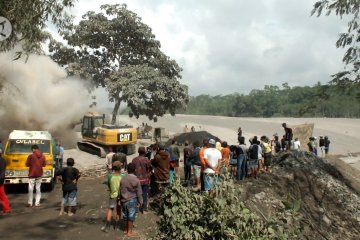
x: 44, y: 222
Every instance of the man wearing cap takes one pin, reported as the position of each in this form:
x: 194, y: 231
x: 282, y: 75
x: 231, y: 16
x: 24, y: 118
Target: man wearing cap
x: 212, y: 158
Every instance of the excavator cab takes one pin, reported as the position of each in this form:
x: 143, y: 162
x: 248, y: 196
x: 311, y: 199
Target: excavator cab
x: 98, y: 138
x: 90, y: 124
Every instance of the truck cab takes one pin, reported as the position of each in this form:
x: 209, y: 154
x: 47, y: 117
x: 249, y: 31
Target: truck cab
x: 18, y: 148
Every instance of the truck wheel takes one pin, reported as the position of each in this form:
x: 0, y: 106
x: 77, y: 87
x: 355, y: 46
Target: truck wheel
x: 48, y: 187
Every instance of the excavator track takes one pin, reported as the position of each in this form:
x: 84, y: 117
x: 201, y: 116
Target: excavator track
x: 95, y: 149
x: 92, y: 148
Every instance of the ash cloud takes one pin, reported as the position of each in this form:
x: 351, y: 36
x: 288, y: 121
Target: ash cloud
x: 36, y: 95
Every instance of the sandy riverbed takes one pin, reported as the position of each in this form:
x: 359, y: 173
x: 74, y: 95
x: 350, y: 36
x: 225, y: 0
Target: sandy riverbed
x: 343, y: 133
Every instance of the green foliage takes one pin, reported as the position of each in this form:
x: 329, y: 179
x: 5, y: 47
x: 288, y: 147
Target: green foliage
x: 222, y: 215
x: 149, y: 95
x: 349, y: 78
x: 272, y: 101
x: 292, y: 204
x: 29, y: 19
x: 115, y: 50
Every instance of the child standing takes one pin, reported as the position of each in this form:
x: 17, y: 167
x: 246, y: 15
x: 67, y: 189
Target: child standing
x: 130, y: 197
x: 114, y: 180
x: 69, y: 177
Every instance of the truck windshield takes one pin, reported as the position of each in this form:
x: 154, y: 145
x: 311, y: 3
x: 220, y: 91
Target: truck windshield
x: 24, y: 146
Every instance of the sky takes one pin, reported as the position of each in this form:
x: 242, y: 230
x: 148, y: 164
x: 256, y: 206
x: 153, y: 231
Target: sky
x: 234, y: 46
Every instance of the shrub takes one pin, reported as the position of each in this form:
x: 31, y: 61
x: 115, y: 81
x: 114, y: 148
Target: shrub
x: 218, y: 215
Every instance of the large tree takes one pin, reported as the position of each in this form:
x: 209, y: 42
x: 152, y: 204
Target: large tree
x: 117, y: 51
x: 29, y: 19
x: 349, y: 39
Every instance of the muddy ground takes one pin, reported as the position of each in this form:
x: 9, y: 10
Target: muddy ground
x: 44, y: 222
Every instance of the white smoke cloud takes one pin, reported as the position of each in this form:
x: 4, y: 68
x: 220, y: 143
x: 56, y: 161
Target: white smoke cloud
x: 36, y: 95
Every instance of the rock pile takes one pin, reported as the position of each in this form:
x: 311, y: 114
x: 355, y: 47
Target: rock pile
x: 193, y: 137
x: 329, y: 207
x: 326, y: 174
x: 94, y: 172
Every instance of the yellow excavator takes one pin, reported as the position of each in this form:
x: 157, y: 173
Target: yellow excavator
x: 99, y: 137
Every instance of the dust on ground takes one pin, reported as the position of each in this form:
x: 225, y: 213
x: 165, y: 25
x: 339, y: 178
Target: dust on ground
x: 44, y: 222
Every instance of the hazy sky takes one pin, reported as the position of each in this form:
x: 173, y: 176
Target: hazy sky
x: 232, y: 46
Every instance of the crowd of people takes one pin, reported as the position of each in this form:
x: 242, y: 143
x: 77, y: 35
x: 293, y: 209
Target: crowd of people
x: 323, y: 144
x: 36, y: 161
x: 130, y: 184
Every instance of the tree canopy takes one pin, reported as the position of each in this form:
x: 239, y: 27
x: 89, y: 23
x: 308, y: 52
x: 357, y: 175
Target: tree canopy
x: 117, y: 51
x: 273, y: 101
x: 29, y: 19
x: 349, y: 40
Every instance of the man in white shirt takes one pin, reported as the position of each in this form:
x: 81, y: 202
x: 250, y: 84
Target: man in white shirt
x: 296, y: 144
x: 212, y: 158
x: 109, y: 160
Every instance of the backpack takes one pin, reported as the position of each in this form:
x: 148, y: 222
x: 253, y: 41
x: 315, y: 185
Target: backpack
x: 254, y: 152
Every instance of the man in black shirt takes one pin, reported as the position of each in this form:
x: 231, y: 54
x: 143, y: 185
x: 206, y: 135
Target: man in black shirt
x: 69, y: 176
x: 194, y: 159
x: 187, y: 162
x: 288, y: 136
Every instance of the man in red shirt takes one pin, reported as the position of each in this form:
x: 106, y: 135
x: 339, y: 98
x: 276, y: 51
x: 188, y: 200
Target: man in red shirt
x: 161, y: 165
x: 143, y: 169
x: 35, y: 162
